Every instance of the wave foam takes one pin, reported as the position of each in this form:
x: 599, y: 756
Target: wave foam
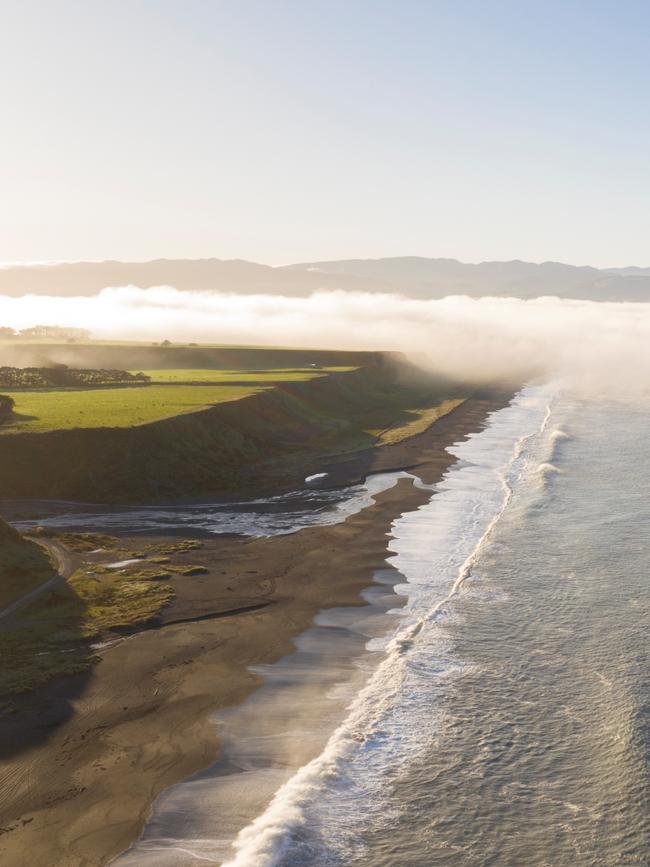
x: 547, y: 469
x: 436, y: 548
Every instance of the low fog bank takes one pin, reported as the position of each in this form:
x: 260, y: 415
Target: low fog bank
x: 595, y: 344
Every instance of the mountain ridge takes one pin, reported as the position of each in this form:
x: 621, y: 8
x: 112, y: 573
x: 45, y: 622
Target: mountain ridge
x: 414, y: 276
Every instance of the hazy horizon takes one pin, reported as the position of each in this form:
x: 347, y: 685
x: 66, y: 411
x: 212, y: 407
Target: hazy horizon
x: 293, y: 262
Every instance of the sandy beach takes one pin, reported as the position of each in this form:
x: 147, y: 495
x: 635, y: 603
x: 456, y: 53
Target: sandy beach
x: 84, y: 758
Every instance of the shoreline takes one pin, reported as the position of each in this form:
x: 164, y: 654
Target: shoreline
x: 91, y: 753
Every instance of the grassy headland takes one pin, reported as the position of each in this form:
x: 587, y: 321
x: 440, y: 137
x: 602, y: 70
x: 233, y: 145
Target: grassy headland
x: 214, y: 421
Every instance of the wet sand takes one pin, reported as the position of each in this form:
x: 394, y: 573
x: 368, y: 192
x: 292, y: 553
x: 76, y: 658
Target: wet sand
x: 85, y: 757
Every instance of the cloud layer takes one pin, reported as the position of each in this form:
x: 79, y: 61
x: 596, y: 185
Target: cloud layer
x: 597, y: 344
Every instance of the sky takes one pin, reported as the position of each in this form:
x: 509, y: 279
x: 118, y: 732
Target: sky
x: 296, y: 130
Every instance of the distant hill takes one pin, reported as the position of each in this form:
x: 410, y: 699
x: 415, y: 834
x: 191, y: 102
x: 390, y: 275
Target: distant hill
x: 234, y: 275
x: 412, y: 276
x: 435, y: 278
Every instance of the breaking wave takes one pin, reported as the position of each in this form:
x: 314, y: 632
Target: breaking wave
x: 436, y: 548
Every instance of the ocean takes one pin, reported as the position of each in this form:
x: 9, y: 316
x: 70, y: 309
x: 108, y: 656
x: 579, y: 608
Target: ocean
x: 490, y: 706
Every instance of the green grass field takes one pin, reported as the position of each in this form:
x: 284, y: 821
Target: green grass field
x: 46, y: 409
x: 252, y: 376
x: 41, y: 410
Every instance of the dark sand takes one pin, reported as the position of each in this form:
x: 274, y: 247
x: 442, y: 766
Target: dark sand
x: 84, y: 758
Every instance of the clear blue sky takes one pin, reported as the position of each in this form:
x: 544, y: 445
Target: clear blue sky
x: 290, y: 130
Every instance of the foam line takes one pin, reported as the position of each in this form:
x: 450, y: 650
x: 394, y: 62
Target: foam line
x: 268, y: 839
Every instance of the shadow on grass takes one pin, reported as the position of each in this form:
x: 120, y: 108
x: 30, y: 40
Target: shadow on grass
x: 8, y: 421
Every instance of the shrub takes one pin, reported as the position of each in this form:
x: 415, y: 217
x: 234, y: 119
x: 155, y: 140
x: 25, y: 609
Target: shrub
x: 43, y: 377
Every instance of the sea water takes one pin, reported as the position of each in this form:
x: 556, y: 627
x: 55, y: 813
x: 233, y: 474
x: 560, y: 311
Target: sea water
x: 499, y: 713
